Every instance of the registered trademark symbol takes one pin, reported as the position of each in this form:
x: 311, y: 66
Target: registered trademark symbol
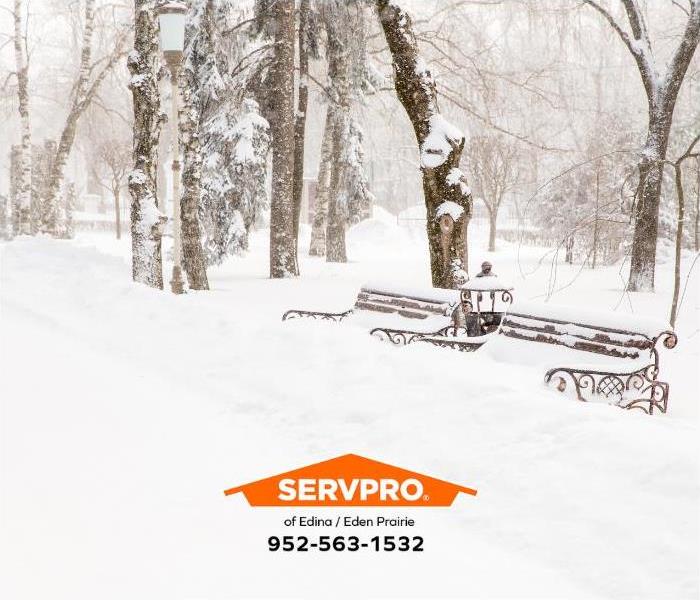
x: 426, y: 497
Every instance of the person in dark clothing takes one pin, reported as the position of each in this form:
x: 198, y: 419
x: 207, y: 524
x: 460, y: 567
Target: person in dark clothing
x: 480, y: 323
x: 486, y: 270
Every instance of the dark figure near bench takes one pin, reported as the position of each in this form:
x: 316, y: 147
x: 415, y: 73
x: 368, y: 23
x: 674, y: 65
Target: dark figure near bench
x: 486, y: 270
x: 480, y: 323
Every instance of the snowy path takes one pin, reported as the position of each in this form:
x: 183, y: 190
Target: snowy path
x: 115, y: 452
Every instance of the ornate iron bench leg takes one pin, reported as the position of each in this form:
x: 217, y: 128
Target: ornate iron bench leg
x: 310, y: 314
x: 447, y: 337
x: 397, y: 337
x: 401, y: 337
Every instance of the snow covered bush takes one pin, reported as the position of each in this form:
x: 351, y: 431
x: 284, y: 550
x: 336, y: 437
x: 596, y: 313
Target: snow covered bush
x: 226, y: 57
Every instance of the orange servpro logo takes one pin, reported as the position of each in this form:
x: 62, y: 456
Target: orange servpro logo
x: 350, y: 480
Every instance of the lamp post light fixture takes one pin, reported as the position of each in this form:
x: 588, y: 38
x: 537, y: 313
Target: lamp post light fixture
x: 171, y: 17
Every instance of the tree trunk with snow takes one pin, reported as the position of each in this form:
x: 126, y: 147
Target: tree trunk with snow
x: 697, y: 206
x: 117, y: 217
x: 82, y: 97
x: 569, y: 250
x: 281, y: 79
x: 300, y: 122
x: 69, y: 203
x: 339, y: 75
x: 336, y: 250
x: 24, y: 185
x: 192, y: 251
x: 5, y: 225
x: 447, y: 197
x: 318, y: 226
x: 493, y: 217
x: 680, y: 197
x: 147, y: 221
x: 662, y: 93
x: 51, y: 210
x: 647, y: 200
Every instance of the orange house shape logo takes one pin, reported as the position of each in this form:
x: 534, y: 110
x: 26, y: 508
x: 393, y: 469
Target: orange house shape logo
x: 350, y: 480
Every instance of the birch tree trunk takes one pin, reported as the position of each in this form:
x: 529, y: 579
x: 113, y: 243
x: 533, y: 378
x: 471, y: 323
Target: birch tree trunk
x: 24, y: 185
x: 192, y: 251
x: 5, y: 225
x: 318, y: 226
x: 50, y: 216
x: 300, y: 122
x: 282, y: 248
x: 447, y: 197
x: 336, y: 250
x: 84, y: 93
x: 147, y: 221
x: 117, y: 217
x: 339, y: 75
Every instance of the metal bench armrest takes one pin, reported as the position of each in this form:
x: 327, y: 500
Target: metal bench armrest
x: 647, y: 392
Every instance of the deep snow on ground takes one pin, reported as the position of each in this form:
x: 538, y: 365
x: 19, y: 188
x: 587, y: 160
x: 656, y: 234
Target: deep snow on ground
x: 127, y: 411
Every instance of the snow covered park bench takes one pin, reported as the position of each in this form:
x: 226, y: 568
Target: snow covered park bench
x: 599, y: 355
x: 605, y: 355
x: 423, y: 310
x: 602, y: 355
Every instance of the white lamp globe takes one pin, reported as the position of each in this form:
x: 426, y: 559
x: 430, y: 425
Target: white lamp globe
x: 171, y: 17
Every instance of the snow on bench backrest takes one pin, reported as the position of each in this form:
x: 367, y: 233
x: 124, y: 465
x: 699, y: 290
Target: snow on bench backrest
x: 408, y: 301
x: 602, y: 332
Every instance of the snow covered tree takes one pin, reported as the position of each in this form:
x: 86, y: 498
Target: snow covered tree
x: 235, y: 190
x: 688, y: 154
x: 562, y: 212
x: 343, y: 189
x: 5, y: 221
x: 147, y: 222
x: 304, y: 48
x: 586, y: 209
x: 494, y: 170
x: 70, y: 198
x: 42, y: 159
x: 199, y: 68
x: 318, y: 225
x: 15, y: 176
x: 233, y: 135
x: 447, y: 196
x: 112, y: 163
x: 89, y: 80
x: 24, y: 183
x: 42, y: 155
x: 283, y: 261
x: 339, y: 64
x: 662, y: 93
x: 359, y: 197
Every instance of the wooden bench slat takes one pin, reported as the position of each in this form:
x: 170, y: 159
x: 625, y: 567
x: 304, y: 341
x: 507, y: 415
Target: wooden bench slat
x: 388, y: 308
x: 524, y: 315
x: 450, y: 297
x: 587, y: 346
x: 631, y: 340
x: 364, y: 299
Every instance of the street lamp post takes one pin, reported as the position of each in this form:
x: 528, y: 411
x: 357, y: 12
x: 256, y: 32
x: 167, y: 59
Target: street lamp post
x: 171, y: 17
